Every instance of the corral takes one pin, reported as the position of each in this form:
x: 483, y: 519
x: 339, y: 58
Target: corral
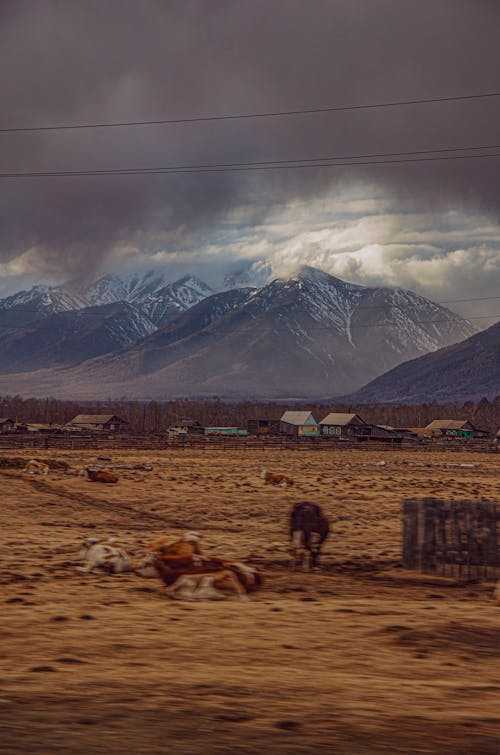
x: 360, y: 658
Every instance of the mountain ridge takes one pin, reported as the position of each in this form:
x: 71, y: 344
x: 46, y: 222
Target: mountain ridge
x: 308, y: 335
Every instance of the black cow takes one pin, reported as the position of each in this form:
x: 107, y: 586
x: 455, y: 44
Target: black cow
x: 309, y: 529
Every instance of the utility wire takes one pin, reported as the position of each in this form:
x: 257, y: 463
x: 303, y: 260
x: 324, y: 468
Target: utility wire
x: 247, y: 116
x: 83, y: 313
x: 308, y: 330
x: 243, y: 167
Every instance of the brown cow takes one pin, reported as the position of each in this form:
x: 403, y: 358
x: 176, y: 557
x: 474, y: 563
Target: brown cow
x: 271, y: 478
x: 101, y: 475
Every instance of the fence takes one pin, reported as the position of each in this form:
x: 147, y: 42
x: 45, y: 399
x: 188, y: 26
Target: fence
x: 162, y: 442
x: 451, y: 538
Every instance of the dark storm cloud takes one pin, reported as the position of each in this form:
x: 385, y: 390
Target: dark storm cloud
x: 66, y: 61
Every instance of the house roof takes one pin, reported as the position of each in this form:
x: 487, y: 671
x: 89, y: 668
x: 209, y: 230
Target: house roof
x: 447, y: 424
x: 299, y: 418
x: 94, y: 419
x: 339, y: 418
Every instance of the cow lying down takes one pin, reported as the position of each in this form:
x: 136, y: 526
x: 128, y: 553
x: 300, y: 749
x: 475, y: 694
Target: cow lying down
x: 106, y: 557
x: 206, y: 578
x: 36, y: 467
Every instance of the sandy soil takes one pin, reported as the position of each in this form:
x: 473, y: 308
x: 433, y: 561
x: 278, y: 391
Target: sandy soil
x: 360, y: 658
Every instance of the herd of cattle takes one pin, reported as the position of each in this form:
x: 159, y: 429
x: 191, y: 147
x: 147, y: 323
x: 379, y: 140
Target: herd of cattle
x: 179, y: 562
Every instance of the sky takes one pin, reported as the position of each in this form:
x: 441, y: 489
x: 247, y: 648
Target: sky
x: 433, y: 227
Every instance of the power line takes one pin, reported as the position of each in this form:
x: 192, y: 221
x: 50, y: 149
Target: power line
x: 84, y: 313
x: 306, y: 330
x: 257, y: 166
x: 247, y: 116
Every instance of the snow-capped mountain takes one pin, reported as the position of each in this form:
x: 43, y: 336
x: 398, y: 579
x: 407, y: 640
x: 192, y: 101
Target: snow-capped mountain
x: 163, y: 304
x: 44, y: 300
x: 111, y: 288
x: 71, y: 337
x: 312, y: 335
x: 252, y: 273
x: 160, y: 300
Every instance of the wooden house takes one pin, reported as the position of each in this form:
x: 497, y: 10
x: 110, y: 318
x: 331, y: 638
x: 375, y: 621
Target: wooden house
x: 299, y: 423
x: 263, y: 426
x: 452, y: 428
x: 97, y: 423
x: 341, y: 425
x: 6, y: 424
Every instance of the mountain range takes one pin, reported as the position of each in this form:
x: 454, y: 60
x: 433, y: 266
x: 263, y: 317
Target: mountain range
x: 467, y: 370
x: 310, y: 335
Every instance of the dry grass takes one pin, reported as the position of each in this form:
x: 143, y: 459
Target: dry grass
x: 360, y: 658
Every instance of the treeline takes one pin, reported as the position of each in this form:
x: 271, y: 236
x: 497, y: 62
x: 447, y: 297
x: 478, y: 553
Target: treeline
x: 157, y: 416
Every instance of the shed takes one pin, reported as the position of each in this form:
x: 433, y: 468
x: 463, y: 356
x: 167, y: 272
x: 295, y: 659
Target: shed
x: 342, y: 425
x: 97, y: 422
x: 6, y: 424
x: 188, y: 425
x: 42, y: 427
x: 224, y: 431
x: 299, y: 423
x: 263, y: 426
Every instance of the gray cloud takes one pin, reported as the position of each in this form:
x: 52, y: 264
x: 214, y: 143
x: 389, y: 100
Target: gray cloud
x: 67, y: 61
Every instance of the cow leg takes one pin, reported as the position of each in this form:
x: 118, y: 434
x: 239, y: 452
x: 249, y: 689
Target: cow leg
x: 297, y: 552
x: 181, y: 583
x: 229, y: 579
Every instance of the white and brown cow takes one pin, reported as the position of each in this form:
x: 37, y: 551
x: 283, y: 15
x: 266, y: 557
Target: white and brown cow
x: 108, y: 557
x: 36, y: 467
x: 204, y: 578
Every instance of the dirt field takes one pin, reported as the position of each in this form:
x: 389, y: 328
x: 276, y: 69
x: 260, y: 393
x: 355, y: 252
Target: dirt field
x: 360, y: 658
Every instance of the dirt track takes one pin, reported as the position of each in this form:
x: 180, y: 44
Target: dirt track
x: 361, y: 658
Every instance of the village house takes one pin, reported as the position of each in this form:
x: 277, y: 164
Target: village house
x: 6, y: 424
x: 97, y: 423
x: 346, y: 426
x: 299, y: 423
x: 341, y: 425
x: 453, y: 428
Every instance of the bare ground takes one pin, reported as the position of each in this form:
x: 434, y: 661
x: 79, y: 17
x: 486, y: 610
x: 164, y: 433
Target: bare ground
x: 360, y: 658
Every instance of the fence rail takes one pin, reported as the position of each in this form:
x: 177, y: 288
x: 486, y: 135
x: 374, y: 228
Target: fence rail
x: 246, y: 443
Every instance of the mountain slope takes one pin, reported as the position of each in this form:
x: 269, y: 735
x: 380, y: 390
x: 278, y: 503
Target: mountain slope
x: 68, y: 338
x: 312, y: 335
x: 467, y: 370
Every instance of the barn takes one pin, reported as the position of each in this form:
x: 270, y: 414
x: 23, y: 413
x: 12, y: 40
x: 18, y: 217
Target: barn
x: 299, y: 423
x: 263, y: 426
x: 97, y: 423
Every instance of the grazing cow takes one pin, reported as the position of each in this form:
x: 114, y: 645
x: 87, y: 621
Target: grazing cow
x: 106, y: 557
x: 36, y: 467
x: 187, y: 546
x: 308, y: 530
x: 202, y: 578
x: 270, y: 478
x: 101, y: 475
